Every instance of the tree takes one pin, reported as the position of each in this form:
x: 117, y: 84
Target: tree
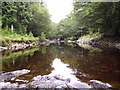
x: 25, y: 17
x: 91, y: 17
x: 99, y: 17
x: 40, y: 22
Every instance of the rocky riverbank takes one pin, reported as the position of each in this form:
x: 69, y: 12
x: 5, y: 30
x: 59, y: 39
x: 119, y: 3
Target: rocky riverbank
x: 106, y: 42
x: 98, y: 42
x: 15, y: 45
x: 101, y: 42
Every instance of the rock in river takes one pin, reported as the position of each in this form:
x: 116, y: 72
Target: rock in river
x: 12, y: 75
x: 8, y: 85
x: 48, y: 81
x: 99, y: 84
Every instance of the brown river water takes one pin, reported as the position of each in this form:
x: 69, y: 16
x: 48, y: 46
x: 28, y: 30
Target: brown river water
x: 84, y: 61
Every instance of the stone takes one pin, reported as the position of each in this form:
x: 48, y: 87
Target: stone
x: 99, y: 84
x: 8, y: 85
x: 12, y: 75
x: 48, y: 81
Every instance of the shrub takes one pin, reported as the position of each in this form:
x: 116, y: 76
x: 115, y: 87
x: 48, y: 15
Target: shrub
x: 42, y: 37
x: 71, y: 38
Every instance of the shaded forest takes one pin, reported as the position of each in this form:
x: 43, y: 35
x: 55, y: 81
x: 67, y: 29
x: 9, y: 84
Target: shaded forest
x: 90, y: 18
x: 32, y: 19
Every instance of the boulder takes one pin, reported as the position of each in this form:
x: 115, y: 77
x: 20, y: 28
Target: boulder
x: 99, y: 84
x: 12, y: 75
x: 48, y: 81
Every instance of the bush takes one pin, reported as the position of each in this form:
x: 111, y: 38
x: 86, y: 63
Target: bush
x: 42, y: 37
x: 31, y: 34
x: 6, y: 43
x: 90, y: 37
x: 7, y: 35
x: 71, y: 38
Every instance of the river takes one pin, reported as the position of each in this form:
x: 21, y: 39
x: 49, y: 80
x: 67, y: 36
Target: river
x: 83, y: 61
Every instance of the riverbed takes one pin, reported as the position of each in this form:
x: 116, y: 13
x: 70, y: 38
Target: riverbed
x: 79, y: 63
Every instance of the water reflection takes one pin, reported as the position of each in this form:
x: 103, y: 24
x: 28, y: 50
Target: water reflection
x: 90, y: 48
x: 14, y: 60
x: 65, y: 59
x: 63, y: 70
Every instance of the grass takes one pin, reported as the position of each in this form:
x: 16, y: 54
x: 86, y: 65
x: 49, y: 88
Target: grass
x: 7, y: 37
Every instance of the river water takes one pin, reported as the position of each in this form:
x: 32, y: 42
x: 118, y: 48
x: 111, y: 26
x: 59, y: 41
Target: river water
x: 83, y: 61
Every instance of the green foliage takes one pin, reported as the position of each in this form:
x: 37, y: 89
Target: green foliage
x: 71, y: 44
x: 30, y: 34
x: 96, y: 35
x: 10, y: 56
x: 90, y: 18
x: 6, y: 43
x: 22, y: 18
x: 40, y: 22
x: 89, y: 37
x: 99, y: 17
x: 71, y: 38
x: 90, y: 48
x: 32, y: 18
x: 42, y: 37
x: 8, y: 36
x: 67, y: 27
x: 53, y: 33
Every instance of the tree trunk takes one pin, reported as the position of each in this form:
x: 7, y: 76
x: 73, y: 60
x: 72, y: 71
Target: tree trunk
x: 12, y: 28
